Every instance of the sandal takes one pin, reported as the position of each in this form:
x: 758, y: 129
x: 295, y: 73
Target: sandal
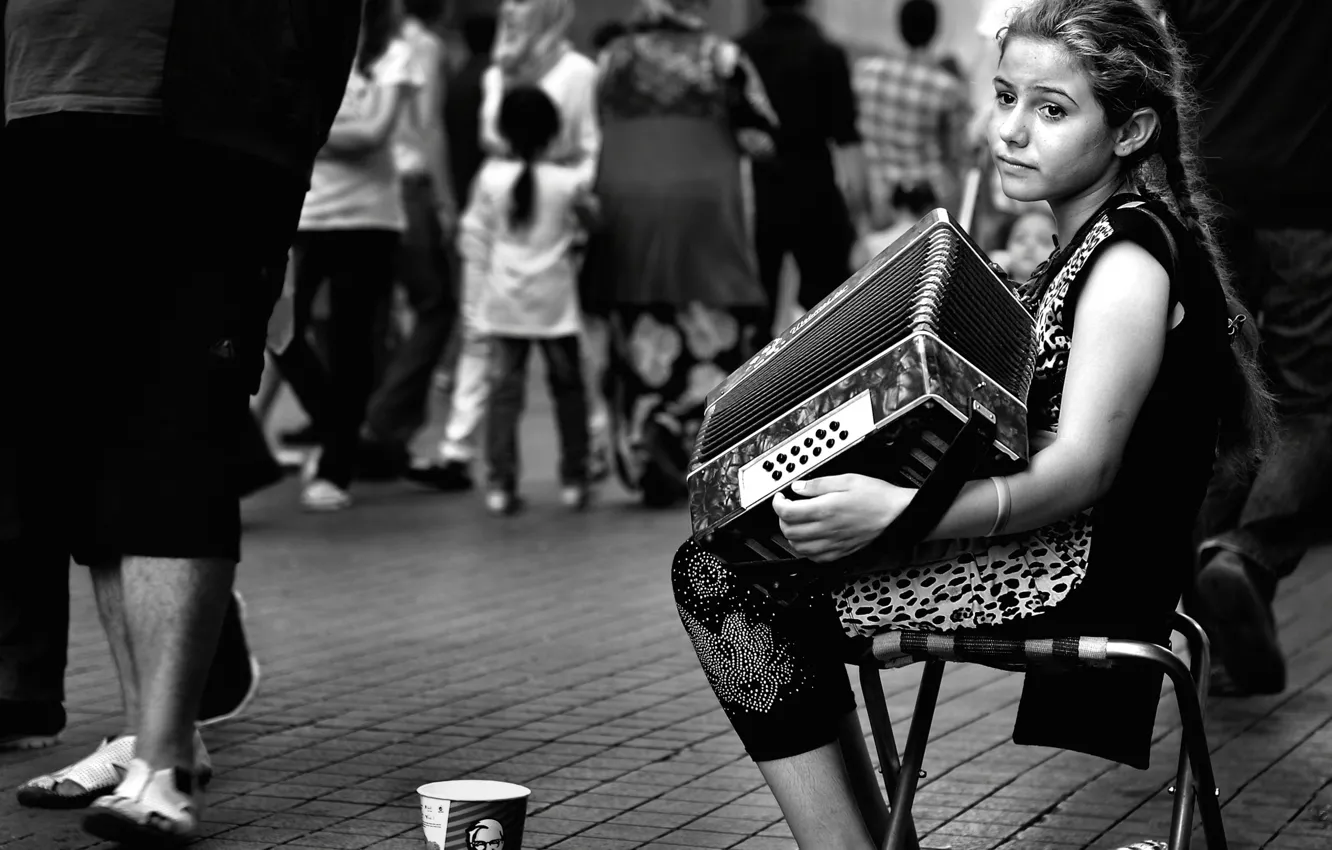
x: 150, y: 808
x: 96, y: 775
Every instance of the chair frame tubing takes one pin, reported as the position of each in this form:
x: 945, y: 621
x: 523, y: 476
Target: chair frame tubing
x: 876, y: 705
x: 1195, y: 782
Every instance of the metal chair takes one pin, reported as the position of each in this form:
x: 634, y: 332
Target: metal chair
x: 899, y: 648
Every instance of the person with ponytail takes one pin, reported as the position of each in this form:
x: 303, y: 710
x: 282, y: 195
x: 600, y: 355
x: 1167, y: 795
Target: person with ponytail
x: 517, y: 241
x: 1145, y: 382
x: 531, y: 49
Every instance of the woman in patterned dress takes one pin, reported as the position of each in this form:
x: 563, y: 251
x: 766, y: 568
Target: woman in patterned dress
x: 1138, y: 378
x: 673, y: 267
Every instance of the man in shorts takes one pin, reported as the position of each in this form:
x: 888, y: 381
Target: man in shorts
x: 155, y: 158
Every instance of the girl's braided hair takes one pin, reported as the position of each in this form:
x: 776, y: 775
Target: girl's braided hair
x: 1134, y: 59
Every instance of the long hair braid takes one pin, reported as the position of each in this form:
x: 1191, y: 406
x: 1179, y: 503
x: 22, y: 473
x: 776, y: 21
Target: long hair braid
x: 1250, y: 428
x: 1134, y: 59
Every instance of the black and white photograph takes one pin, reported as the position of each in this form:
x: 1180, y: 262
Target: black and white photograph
x: 666, y: 425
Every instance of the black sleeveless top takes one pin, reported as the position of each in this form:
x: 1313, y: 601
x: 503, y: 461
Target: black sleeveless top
x: 1141, y: 557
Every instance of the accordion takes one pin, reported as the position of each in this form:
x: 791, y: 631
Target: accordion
x: 915, y: 370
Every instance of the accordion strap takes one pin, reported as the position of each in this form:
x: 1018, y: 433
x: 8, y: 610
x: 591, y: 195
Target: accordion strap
x: 939, y: 490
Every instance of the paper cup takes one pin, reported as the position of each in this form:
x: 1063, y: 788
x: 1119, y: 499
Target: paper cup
x: 473, y: 814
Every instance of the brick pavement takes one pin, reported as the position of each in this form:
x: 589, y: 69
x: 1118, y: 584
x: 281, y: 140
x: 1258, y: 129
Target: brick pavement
x: 416, y: 639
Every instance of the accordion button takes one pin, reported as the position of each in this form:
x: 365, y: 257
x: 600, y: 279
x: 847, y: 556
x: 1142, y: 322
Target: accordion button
x: 804, y: 458
x: 777, y: 476
x: 844, y: 434
x: 809, y: 441
x: 790, y: 467
x: 820, y: 433
x: 832, y: 443
x: 818, y: 450
x: 834, y: 425
x: 781, y: 458
x: 795, y: 450
x: 767, y: 466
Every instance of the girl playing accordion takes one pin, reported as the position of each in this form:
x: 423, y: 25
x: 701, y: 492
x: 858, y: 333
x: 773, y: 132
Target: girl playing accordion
x: 1145, y: 378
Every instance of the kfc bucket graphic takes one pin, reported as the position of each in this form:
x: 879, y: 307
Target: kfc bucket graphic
x: 473, y: 814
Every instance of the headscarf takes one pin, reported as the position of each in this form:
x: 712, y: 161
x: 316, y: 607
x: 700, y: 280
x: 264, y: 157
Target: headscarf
x: 525, y: 55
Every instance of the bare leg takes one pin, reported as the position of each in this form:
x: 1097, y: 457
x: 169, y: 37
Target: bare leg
x: 109, y: 591
x: 864, y: 778
x: 816, y: 793
x: 174, y: 610
x: 270, y: 384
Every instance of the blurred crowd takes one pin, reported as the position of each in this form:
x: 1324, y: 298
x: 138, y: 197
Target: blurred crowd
x: 651, y: 212
x: 693, y: 194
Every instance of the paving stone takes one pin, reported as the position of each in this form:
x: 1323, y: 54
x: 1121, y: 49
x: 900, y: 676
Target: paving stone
x: 263, y: 834
x: 334, y: 841
x: 416, y: 639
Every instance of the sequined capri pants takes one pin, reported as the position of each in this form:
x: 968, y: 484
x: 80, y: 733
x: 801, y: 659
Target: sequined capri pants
x: 778, y: 671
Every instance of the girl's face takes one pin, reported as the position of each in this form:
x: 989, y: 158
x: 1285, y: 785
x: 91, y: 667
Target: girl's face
x: 1047, y: 133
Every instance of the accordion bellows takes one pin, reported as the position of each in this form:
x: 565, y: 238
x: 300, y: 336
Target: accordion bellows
x: 876, y: 378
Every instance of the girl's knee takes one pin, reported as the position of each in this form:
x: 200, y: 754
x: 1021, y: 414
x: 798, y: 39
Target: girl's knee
x: 696, y: 574
x: 680, y: 566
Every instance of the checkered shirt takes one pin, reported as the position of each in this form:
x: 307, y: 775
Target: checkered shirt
x: 912, y: 115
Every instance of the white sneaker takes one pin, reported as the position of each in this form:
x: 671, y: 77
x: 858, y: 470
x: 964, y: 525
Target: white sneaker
x: 502, y: 502
x: 575, y: 497
x: 148, y: 808
x: 321, y: 495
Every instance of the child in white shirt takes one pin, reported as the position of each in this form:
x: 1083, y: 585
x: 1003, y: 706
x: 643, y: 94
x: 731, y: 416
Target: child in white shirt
x: 517, y: 241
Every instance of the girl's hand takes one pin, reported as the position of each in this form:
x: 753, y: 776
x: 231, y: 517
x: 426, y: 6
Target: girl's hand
x: 841, y: 515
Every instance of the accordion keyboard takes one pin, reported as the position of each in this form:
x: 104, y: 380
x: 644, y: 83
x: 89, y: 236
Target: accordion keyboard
x: 937, y: 284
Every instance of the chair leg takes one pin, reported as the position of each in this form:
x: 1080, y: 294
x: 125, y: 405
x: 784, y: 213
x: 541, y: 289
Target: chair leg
x: 1193, y: 754
x: 1181, y: 817
x: 1200, y: 656
x: 914, y: 757
x: 885, y: 745
x: 1195, y: 739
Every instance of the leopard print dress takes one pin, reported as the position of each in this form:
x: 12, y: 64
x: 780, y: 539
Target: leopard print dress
x: 963, y: 584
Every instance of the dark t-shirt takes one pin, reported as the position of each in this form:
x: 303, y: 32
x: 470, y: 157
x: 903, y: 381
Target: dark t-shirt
x: 808, y: 80
x: 1265, y: 78
x: 85, y: 56
x: 255, y: 77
